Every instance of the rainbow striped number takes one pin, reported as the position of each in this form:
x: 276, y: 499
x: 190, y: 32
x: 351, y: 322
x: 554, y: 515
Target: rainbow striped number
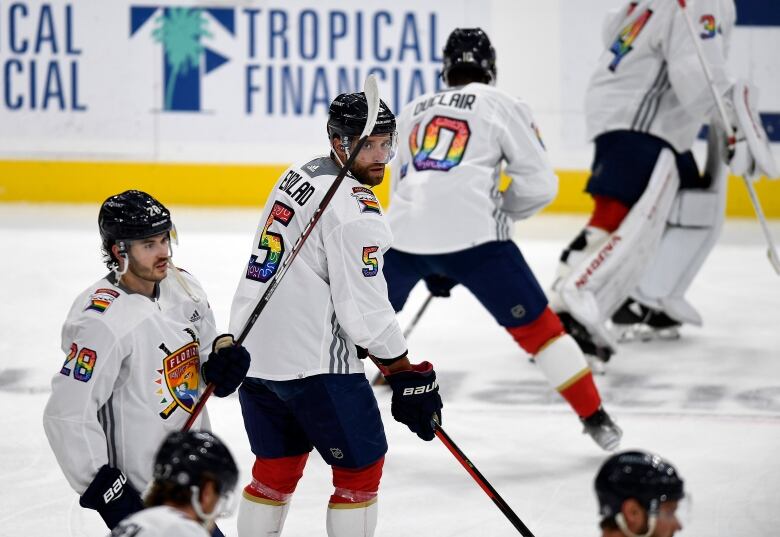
x: 85, y: 363
x: 371, y: 262
x: 272, y: 243
x: 432, y: 139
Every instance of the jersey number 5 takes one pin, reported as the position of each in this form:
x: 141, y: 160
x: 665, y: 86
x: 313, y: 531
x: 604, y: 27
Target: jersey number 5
x: 429, y: 156
x: 272, y: 243
x: 85, y: 363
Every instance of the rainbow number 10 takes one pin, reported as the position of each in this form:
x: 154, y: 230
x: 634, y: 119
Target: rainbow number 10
x: 432, y: 138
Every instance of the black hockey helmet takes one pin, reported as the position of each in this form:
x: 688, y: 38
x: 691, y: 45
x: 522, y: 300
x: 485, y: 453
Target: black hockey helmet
x: 645, y: 477
x: 469, y: 48
x: 348, y: 113
x: 186, y: 459
x: 132, y: 215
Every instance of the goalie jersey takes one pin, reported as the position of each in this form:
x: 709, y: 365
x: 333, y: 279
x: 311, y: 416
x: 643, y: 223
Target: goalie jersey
x: 649, y: 77
x: 131, y: 375
x: 334, y: 295
x: 445, y: 180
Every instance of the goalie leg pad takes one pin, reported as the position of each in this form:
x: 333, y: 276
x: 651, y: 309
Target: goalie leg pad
x: 535, y: 335
x: 608, y: 213
x: 692, y: 230
x: 601, y: 281
x: 745, y: 98
x: 565, y: 368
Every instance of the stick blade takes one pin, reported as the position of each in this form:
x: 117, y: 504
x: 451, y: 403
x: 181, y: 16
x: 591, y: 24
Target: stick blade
x: 371, y: 90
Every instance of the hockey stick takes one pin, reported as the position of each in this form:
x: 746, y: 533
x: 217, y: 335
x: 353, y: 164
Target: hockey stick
x: 481, y: 481
x: 379, y: 379
x: 372, y: 99
x: 774, y: 258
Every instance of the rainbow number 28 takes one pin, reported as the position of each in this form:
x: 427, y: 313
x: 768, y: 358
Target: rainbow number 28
x: 85, y: 363
x: 433, y: 143
x: 272, y: 243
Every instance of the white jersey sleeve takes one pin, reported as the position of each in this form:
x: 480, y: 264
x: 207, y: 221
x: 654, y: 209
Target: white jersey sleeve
x: 534, y: 184
x: 354, y: 251
x: 86, y: 381
x: 649, y: 77
x: 445, y: 180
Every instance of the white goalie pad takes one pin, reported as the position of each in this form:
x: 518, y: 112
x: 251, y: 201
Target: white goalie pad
x: 601, y: 281
x: 692, y: 230
x: 745, y: 97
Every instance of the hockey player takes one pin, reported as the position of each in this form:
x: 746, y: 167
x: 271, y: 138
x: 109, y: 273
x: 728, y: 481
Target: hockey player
x: 639, y: 495
x: 194, y: 477
x: 655, y: 217
x: 306, y: 385
x: 133, y: 369
x: 451, y: 224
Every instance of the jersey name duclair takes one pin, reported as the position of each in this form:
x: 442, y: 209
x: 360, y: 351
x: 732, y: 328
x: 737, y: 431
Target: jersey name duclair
x: 301, y: 194
x: 455, y: 100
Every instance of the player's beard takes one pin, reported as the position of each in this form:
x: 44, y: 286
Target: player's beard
x: 369, y: 176
x: 153, y: 272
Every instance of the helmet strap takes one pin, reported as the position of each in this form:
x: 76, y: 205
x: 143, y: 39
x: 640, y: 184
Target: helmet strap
x: 223, y: 508
x: 121, y: 267
x: 621, y: 522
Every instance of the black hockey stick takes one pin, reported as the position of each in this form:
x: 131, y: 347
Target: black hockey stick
x: 379, y: 379
x: 481, y: 481
x: 372, y: 99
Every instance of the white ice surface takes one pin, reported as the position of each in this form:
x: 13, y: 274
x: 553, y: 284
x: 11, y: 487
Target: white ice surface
x: 710, y: 402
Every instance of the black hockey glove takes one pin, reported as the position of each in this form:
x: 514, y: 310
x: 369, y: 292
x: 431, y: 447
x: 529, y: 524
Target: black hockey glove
x: 112, y: 496
x: 416, y: 399
x: 439, y: 285
x: 226, y: 367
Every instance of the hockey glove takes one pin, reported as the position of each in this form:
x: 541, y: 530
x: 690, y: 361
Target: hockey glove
x: 112, y: 496
x: 416, y: 399
x: 226, y: 367
x: 439, y: 285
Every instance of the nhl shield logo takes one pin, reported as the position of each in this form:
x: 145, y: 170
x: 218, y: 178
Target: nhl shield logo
x: 180, y: 371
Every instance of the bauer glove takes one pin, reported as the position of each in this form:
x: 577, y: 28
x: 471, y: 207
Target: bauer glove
x: 226, y: 367
x: 112, y: 496
x: 416, y: 399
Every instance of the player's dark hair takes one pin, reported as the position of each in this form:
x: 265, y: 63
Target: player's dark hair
x: 466, y: 74
x: 163, y: 493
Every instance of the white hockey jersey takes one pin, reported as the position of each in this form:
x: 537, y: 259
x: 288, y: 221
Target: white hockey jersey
x: 334, y: 295
x: 131, y: 375
x: 161, y: 521
x: 445, y: 180
x: 649, y: 77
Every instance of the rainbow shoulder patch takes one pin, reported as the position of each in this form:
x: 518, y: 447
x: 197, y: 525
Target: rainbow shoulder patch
x: 366, y: 200
x: 101, y: 300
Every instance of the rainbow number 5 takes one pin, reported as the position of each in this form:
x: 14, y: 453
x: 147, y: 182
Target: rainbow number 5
x: 85, y: 363
x: 432, y: 139
x: 371, y: 263
x: 272, y: 243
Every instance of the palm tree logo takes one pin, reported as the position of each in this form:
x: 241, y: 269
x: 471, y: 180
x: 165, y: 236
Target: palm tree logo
x: 179, y: 30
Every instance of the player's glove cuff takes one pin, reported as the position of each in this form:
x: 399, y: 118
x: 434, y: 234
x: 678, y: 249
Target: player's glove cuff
x: 112, y: 496
x: 226, y: 367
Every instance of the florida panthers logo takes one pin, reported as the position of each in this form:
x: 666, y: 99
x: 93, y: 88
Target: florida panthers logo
x: 180, y: 373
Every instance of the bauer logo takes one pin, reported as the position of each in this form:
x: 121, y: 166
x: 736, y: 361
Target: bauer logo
x: 183, y: 34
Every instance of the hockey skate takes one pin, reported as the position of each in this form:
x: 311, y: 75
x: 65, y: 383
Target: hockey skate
x: 634, y: 321
x: 603, y: 430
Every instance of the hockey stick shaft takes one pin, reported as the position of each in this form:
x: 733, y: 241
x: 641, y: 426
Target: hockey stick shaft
x: 483, y: 483
x: 372, y: 99
x: 774, y: 258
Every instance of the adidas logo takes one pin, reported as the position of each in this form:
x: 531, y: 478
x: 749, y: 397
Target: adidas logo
x: 195, y: 316
x: 313, y: 167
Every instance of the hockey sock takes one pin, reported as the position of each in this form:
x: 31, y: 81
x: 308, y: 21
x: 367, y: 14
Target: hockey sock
x: 565, y: 368
x: 352, y: 511
x: 533, y: 336
x: 608, y: 213
x: 266, y: 500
